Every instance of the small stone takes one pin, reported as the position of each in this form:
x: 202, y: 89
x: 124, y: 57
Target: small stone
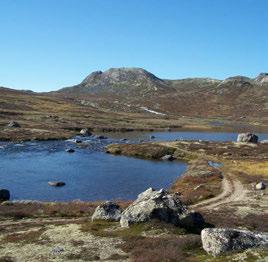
x: 56, y: 183
x: 70, y: 150
x: 4, y: 195
x: 260, y: 186
x: 13, y: 124
x: 168, y: 157
x: 85, y: 132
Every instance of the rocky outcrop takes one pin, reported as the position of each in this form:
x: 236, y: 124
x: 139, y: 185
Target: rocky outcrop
x: 247, y: 138
x: 161, y: 205
x: 107, y: 211
x: 220, y: 240
x: 4, y: 195
x: 260, y: 186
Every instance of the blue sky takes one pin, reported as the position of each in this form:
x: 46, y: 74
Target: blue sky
x: 49, y: 44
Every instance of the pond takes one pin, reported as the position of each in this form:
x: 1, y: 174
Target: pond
x: 89, y: 173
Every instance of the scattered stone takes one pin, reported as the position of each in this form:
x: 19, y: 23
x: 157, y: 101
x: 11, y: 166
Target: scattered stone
x: 168, y: 157
x: 56, y: 183
x: 57, y: 251
x: 247, y: 138
x: 78, y: 141
x: 13, y: 124
x: 107, y: 211
x: 4, y: 195
x: 70, y: 150
x: 260, y: 186
x: 264, y: 142
x: 123, y: 139
x: 220, y: 240
x: 153, y: 204
x: 85, y: 132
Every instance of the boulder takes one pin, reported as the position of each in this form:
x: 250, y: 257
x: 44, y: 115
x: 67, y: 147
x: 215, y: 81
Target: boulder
x: 4, y: 195
x: 85, y: 132
x: 161, y: 205
x: 260, y: 186
x: 13, y: 124
x: 107, y: 211
x: 168, y: 157
x: 70, y: 150
x: 216, y: 241
x: 56, y: 183
x: 101, y: 137
x: 247, y: 138
x: 152, y: 137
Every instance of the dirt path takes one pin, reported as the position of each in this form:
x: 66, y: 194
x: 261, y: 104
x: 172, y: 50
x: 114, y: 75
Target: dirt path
x: 232, y: 192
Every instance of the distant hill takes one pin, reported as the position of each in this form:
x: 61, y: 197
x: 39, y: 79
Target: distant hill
x: 120, y: 81
x: 137, y: 90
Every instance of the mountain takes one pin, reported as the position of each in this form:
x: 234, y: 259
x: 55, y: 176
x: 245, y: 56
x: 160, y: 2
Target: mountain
x: 137, y: 90
x: 120, y: 80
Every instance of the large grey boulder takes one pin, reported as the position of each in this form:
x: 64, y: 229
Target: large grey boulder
x: 4, y: 195
x: 247, y: 138
x: 161, y: 205
x: 107, y: 211
x: 220, y: 240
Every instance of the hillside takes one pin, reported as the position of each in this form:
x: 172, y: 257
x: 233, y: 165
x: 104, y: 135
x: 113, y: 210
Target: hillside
x: 136, y: 90
x: 134, y: 99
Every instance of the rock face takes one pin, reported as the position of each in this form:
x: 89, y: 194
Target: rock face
x: 13, y: 124
x: 107, y: 211
x: 219, y: 240
x: 85, y: 132
x: 152, y: 204
x: 247, y: 138
x: 4, y: 195
x: 260, y: 186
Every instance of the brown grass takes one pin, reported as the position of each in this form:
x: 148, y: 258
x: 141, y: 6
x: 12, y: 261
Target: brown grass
x: 169, y: 248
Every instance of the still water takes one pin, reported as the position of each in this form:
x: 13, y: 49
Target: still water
x: 89, y: 173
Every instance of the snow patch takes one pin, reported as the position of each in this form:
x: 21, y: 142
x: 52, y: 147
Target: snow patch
x: 152, y: 111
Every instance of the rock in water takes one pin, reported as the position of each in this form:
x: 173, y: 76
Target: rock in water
x: 56, y: 183
x: 260, y: 186
x: 107, y: 211
x: 70, y: 150
x: 4, y: 195
x: 220, y: 240
x: 247, y: 138
x: 85, y: 132
x: 161, y: 205
x: 13, y: 124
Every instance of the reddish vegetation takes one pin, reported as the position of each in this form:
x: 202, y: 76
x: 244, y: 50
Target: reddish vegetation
x: 194, y: 189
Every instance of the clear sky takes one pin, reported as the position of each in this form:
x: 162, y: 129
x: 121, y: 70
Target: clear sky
x: 49, y: 44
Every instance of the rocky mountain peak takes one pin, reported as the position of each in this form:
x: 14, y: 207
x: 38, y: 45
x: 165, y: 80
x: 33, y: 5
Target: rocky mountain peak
x: 262, y: 78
